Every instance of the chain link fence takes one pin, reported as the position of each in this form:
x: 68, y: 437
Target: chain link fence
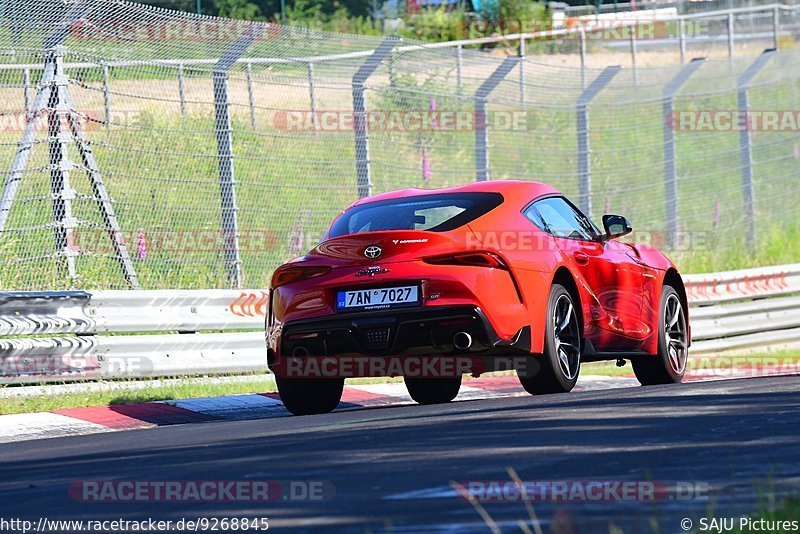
x: 144, y: 148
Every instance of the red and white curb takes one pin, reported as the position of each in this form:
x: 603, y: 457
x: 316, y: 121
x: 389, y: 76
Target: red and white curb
x: 97, y: 419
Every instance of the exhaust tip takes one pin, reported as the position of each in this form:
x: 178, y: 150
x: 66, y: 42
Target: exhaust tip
x: 301, y: 351
x: 462, y: 340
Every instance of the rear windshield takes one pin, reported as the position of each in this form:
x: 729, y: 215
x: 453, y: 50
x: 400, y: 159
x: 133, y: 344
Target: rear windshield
x: 435, y: 213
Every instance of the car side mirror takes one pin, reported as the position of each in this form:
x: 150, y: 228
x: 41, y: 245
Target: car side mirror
x: 616, y: 226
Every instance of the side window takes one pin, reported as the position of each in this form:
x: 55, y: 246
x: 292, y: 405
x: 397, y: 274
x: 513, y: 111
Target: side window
x: 558, y: 217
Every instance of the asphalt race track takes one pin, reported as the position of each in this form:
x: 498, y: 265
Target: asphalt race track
x: 392, y: 467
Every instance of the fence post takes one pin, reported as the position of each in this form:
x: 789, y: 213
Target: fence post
x: 746, y: 147
x: 250, y: 98
x: 107, y: 95
x: 459, y: 66
x: 482, y: 172
x: 392, y: 74
x: 582, y: 37
x: 26, y: 87
x: 521, y: 71
x: 584, y: 166
x: 682, y: 39
x: 224, y: 133
x: 182, y: 91
x: 670, y: 167
x: 776, y: 26
x: 730, y: 36
x: 363, y: 177
x: 634, y: 63
x: 312, y: 95
x: 60, y: 166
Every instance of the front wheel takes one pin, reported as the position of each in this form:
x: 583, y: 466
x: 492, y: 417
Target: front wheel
x: 669, y: 365
x: 561, y: 360
x: 433, y: 390
x: 308, y: 396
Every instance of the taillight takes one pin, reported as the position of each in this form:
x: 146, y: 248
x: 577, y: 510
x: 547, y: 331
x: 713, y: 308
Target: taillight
x: 475, y: 259
x: 287, y: 275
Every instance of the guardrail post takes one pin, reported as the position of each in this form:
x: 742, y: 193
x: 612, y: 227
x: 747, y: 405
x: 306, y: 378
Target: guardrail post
x: 363, y: 177
x: 182, y: 91
x: 224, y: 133
x: 584, y: 169
x: 682, y: 39
x: 746, y: 147
x: 670, y: 167
x: 482, y: 172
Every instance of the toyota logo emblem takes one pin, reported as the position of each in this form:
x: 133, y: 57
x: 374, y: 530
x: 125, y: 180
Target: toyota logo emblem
x: 372, y: 251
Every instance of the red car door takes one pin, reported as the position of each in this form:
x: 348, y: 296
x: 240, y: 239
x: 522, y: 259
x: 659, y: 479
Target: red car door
x: 609, y: 279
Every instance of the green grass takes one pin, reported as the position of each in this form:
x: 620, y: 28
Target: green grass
x: 188, y: 389
x: 180, y: 390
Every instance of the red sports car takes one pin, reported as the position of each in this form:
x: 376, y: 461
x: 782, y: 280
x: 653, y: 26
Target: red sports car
x: 495, y: 271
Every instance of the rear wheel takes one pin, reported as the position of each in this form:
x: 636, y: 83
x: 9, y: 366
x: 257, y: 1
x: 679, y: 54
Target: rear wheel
x: 669, y: 365
x: 561, y: 361
x: 433, y: 390
x: 308, y: 396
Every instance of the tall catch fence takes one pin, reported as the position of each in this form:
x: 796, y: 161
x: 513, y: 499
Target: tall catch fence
x: 143, y: 148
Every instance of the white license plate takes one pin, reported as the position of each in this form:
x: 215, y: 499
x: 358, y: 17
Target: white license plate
x: 376, y: 299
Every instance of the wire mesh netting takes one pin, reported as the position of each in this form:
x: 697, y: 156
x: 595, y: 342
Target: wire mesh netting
x: 147, y: 148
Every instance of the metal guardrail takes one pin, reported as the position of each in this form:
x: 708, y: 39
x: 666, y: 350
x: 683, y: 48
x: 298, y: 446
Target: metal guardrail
x: 63, y: 336
x: 746, y: 310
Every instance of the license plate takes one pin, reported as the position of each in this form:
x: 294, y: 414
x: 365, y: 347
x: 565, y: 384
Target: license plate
x: 377, y: 299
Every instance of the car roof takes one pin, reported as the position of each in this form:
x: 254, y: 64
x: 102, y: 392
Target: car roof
x: 510, y: 189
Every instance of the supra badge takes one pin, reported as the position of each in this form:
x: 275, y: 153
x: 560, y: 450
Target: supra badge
x: 373, y: 251
x: 372, y: 271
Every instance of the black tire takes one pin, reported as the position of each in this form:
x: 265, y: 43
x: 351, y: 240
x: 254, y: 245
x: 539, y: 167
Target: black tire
x: 433, y: 390
x: 669, y: 365
x: 559, y: 365
x: 309, y: 396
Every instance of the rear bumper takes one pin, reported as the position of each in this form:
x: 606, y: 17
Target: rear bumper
x: 400, y: 332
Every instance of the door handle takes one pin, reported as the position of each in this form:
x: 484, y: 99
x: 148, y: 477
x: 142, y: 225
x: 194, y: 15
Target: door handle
x: 581, y: 258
